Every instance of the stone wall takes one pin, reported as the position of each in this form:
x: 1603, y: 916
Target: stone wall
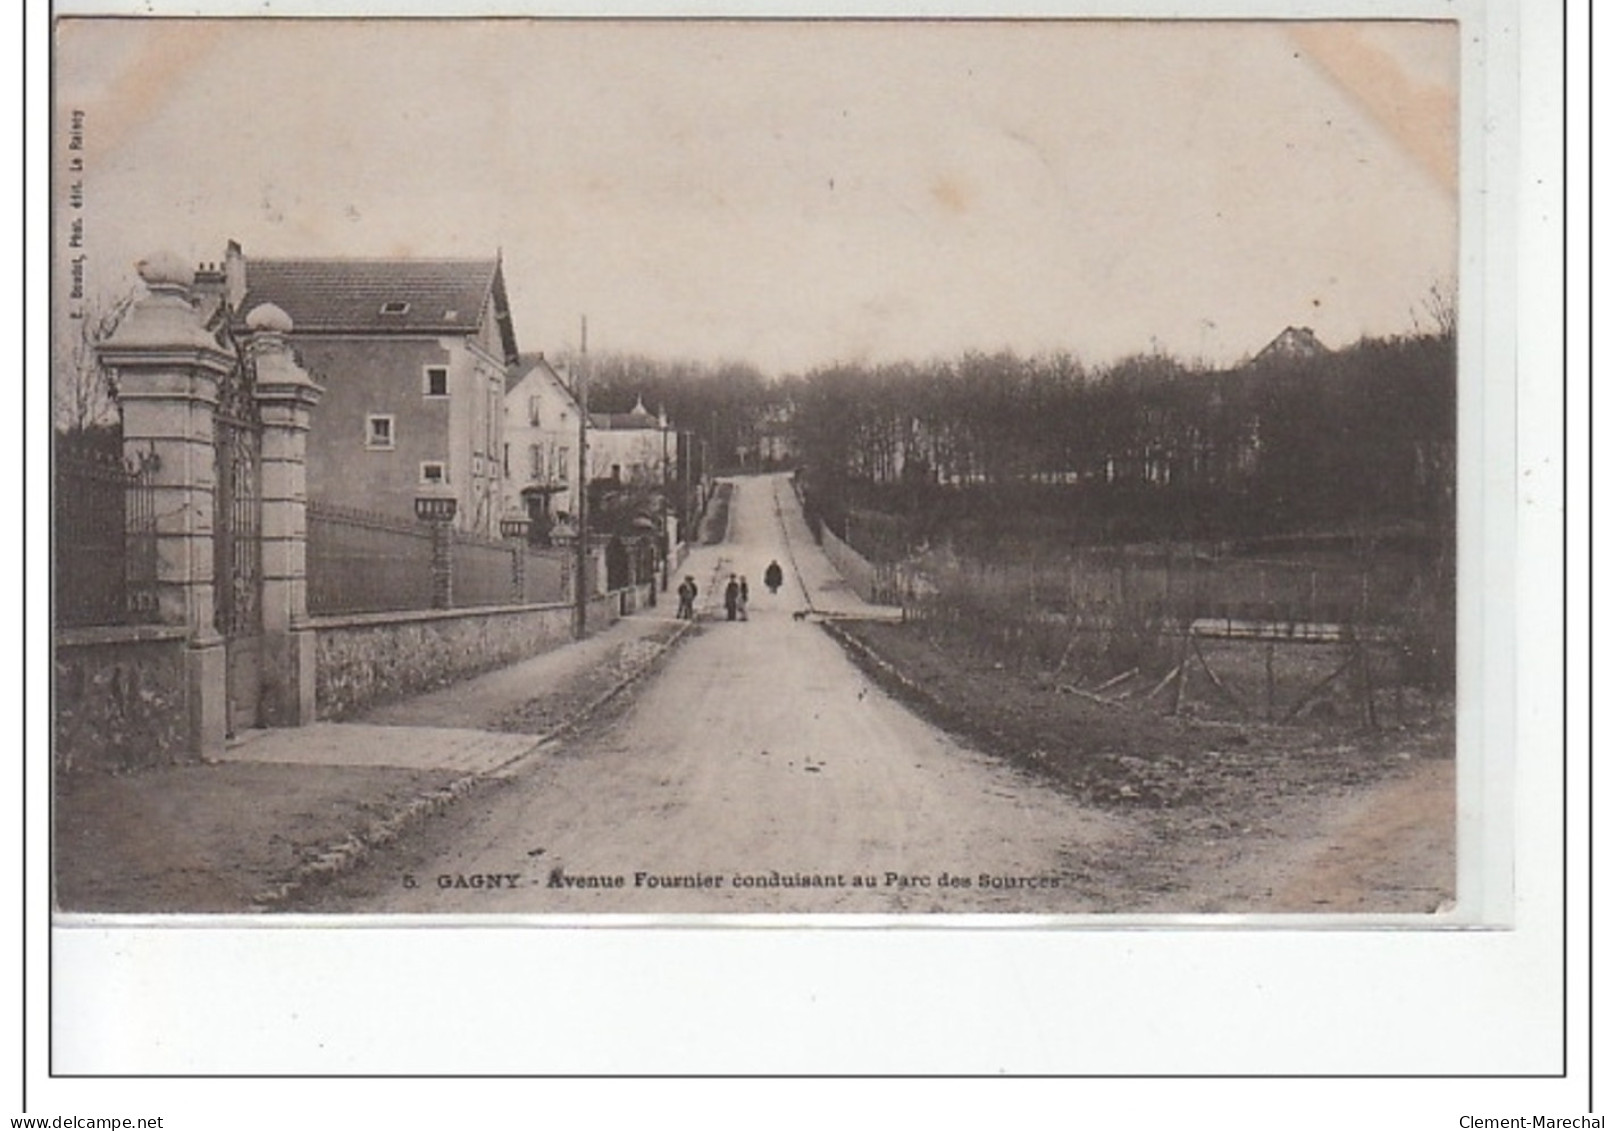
x: 878, y: 584
x: 636, y: 597
x: 120, y: 698
x: 364, y: 661
x: 851, y: 565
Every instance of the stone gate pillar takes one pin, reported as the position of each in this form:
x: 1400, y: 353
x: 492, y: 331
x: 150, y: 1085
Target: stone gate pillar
x: 168, y: 369
x: 286, y: 397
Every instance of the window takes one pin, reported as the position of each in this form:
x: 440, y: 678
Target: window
x: 535, y: 454
x: 395, y: 308
x: 378, y: 432
x: 437, y: 380
x: 434, y: 473
x: 562, y: 465
x: 506, y: 461
x: 532, y: 411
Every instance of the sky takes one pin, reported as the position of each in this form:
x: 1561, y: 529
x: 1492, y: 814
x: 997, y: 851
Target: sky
x: 793, y: 194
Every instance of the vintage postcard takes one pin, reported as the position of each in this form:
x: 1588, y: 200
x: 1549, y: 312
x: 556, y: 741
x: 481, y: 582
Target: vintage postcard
x: 535, y: 467
x: 601, y: 545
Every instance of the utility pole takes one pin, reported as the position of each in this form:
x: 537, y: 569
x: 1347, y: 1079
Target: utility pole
x: 580, y: 611
x: 682, y: 447
x: 664, y: 544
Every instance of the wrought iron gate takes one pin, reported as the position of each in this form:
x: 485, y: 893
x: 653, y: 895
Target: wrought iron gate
x: 237, y: 548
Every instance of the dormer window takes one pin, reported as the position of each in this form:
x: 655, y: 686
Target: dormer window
x: 395, y: 307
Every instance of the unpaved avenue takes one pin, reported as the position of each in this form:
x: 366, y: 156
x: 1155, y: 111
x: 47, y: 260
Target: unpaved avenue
x: 759, y: 752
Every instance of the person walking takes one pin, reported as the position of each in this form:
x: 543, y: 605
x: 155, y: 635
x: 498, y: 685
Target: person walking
x: 745, y: 596
x: 731, y: 597
x: 773, y: 577
x: 687, y: 593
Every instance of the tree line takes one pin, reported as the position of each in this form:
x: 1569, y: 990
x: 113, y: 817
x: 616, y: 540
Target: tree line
x: 1145, y: 448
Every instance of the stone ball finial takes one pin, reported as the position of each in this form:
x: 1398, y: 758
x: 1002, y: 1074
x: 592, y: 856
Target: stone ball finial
x: 165, y: 269
x: 269, y: 317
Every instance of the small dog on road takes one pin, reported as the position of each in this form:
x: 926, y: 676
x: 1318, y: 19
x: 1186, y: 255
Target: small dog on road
x: 800, y: 614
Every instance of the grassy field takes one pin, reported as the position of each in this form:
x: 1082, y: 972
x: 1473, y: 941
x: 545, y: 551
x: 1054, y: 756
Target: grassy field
x: 1210, y: 763
x: 1225, y: 816
x: 1085, y: 617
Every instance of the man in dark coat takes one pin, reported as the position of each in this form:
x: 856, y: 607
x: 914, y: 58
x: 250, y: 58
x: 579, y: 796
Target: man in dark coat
x: 687, y: 593
x: 773, y: 577
x: 731, y: 597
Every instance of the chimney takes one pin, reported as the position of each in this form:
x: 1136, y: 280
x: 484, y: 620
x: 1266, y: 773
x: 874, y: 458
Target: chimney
x: 235, y: 275
x: 209, y: 280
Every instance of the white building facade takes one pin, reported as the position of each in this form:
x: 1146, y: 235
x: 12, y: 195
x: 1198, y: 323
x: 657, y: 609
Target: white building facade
x: 541, y: 440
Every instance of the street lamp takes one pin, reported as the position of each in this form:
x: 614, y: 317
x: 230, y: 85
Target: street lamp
x: 437, y: 506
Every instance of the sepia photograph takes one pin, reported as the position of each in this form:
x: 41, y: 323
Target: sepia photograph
x: 538, y: 467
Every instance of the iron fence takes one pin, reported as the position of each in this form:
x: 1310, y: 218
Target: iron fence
x: 361, y: 562
x: 485, y: 571
x: 546, y: 577
x: 105, y: 534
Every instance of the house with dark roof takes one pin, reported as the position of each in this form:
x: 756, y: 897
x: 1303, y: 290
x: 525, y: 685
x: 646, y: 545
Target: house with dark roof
x: 414, y: 355
x: 631, y: 447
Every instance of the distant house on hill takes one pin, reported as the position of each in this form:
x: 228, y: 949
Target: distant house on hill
x: 634, y: 447
x: 1292, y: 343
x: 413, y: 354
x: 773, y: 446
x: 541, y: 438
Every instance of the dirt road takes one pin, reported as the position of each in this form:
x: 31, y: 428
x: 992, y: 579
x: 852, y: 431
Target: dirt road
x: 759, y: 772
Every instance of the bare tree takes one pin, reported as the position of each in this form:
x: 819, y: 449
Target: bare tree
x: 1441, y: 306
x: 84, y: 394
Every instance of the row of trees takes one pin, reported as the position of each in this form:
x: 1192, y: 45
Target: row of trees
x: 1144, y: 448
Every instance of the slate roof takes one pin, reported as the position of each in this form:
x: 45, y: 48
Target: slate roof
x: 382, y: 296
x: 640, y: 418
x: 621, y: 422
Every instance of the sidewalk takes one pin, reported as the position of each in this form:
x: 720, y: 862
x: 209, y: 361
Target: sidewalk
x: 826, y: 592
x: 283, y: 807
